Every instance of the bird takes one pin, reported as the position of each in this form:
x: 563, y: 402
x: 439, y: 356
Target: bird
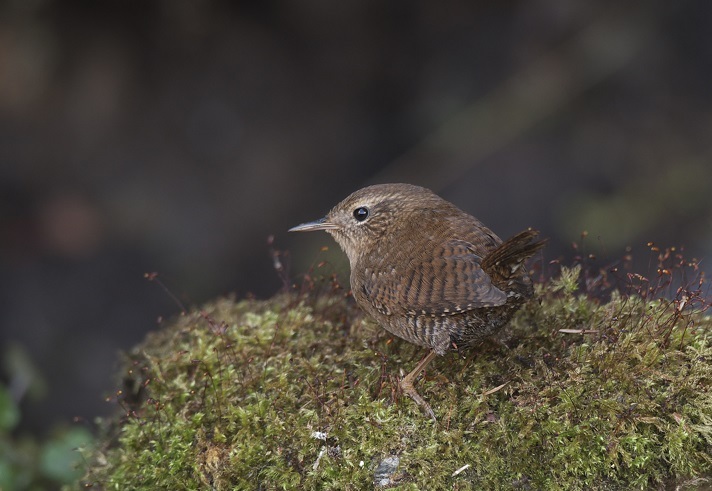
x: 426, y: 271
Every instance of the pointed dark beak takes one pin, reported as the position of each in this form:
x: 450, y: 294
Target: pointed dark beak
x: 321, y: 224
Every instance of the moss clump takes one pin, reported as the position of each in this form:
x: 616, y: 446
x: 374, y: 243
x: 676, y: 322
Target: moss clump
x: 300, y: 392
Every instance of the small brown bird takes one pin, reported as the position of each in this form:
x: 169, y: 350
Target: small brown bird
x: 427, y: 271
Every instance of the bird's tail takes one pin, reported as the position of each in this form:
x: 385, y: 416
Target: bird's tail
x: 505, y: 264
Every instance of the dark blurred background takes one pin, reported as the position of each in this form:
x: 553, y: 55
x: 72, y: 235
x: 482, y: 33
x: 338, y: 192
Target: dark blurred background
x: 175, y: 136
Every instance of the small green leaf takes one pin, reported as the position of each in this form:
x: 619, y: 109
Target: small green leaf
x: 9, y: 413
x: 59, y: 458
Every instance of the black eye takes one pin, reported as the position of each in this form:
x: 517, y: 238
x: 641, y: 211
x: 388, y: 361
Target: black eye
x: 361, y: 213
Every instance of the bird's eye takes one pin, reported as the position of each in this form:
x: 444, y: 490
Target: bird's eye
x: 361, y: 213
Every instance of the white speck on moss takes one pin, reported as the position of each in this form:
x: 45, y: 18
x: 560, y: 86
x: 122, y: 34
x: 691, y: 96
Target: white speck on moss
x: 319, y: 435
x: 385, y: 470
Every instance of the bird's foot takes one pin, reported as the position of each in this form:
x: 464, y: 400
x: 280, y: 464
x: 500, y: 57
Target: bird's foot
x: 406, y: 385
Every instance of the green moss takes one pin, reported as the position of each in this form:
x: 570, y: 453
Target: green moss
x: 301, y: 392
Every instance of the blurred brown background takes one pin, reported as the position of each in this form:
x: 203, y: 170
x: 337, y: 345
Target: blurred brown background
x: 176, y: 136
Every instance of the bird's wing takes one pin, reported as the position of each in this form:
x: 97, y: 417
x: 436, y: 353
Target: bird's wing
x: 447, y: 280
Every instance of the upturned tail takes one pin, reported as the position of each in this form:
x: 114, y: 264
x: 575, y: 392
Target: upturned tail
x: 505, y: 264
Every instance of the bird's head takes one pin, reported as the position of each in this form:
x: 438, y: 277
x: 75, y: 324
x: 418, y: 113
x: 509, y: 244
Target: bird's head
x: 368, y: 215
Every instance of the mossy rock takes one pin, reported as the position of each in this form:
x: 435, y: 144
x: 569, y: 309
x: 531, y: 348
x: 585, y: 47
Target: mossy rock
x: 301, y: 392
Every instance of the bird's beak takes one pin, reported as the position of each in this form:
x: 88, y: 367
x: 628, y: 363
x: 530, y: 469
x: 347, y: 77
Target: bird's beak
x: 321, y: 224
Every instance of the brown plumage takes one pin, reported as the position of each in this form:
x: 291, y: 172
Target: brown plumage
x: 427, y: 271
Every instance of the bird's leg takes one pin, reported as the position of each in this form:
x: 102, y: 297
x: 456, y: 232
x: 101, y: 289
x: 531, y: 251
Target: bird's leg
x: 406, y: 384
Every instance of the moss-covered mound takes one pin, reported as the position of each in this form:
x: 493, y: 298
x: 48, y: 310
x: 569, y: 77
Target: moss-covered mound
x: 300, y: 392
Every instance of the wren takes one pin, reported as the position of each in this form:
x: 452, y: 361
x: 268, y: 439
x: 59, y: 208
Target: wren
x: 426, y: 271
